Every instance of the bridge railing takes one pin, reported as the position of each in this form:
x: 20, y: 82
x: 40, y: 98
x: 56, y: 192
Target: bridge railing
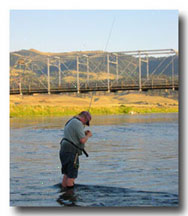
x: 93, y: 86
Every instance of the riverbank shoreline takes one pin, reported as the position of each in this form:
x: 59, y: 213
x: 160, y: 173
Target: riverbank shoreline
x: 101, y: 104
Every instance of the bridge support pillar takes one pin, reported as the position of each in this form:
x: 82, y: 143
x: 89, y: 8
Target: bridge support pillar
x: 140, y: 72
x: 48, y: 70
x: 87, y: 64
x: 20, y: 88
x: 147, y: 67
x: 108, y: 72
x: 173, y: 88
x: 78, y: 79
x: 59, y: 70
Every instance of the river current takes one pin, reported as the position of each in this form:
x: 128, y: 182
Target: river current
x: 133, y: 161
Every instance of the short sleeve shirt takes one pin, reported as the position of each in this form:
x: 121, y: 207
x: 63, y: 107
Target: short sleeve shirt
x: 73, y: 131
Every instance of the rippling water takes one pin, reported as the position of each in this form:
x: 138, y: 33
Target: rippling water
x: 133, y: 161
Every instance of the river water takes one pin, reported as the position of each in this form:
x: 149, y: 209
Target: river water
x: 133, y: 161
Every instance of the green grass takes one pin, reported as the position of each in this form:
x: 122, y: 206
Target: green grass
x: 39, y: 110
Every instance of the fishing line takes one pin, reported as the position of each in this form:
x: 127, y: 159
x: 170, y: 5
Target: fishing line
x: 109, y: 35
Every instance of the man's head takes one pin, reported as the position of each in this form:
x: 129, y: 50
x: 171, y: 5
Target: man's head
x: 86, y: 116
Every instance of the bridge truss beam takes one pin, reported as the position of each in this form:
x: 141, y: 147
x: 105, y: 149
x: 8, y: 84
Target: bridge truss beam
x: 90, y: 71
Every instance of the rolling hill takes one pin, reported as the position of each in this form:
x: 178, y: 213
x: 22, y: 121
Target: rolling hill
x: 34, y: 66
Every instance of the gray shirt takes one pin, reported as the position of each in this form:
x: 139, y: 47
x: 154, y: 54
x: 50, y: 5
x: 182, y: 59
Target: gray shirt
x: 73, y: 131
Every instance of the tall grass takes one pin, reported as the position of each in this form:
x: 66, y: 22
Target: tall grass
x: 40, y: 110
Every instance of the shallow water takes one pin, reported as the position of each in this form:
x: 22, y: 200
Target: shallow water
x: 133, y: 161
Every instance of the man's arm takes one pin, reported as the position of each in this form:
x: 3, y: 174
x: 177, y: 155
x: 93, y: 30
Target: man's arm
x: 84, y: 139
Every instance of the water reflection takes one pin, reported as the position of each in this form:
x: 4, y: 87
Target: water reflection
x: 48, y: 122
x: 67, y: 197
x: 97, y: 196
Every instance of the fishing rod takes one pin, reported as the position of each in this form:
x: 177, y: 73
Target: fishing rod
x: 109, y: 35
x: 90, y: 101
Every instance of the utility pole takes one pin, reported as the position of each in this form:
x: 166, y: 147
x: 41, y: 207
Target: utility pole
x: 78, y: 81
x: 48, y: 70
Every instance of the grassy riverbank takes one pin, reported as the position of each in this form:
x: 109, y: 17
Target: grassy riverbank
x: 113, y: 103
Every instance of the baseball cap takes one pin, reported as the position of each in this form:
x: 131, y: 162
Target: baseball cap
x: 87, y: 115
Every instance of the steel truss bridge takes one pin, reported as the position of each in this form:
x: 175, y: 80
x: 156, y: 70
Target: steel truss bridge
x: 100, y: 71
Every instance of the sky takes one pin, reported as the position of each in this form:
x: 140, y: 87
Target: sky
x: 80, y: 30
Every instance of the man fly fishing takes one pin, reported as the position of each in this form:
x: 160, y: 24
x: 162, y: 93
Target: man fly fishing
x: 72, y: 145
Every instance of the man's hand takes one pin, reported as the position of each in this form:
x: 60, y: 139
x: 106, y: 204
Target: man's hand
x: 88, y: 133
